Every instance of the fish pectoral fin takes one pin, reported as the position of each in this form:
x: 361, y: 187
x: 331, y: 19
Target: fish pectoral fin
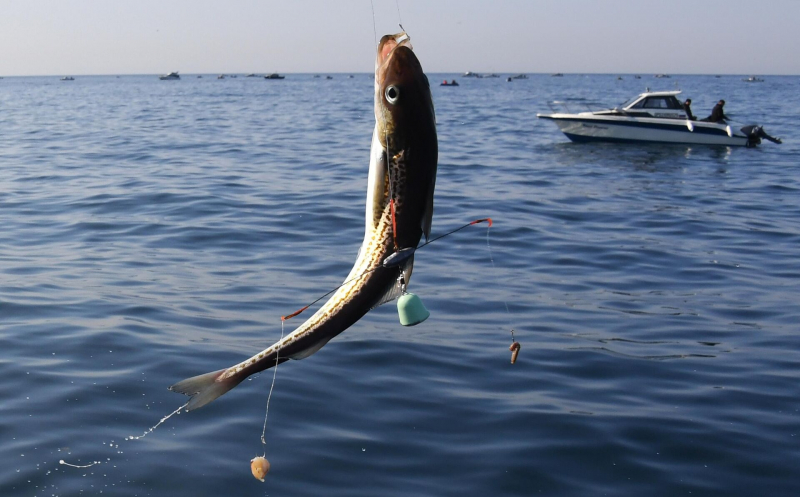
x: 396, y: 290
x: 308, y: 351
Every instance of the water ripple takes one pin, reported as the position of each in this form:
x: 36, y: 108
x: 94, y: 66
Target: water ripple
x: 153, y: 231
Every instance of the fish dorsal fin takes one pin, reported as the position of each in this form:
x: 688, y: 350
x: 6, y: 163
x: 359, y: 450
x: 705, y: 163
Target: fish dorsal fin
x: 396, y: 290
x: 427, y: 215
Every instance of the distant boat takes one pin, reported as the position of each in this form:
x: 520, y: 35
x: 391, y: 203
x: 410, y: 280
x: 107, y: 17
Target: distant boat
x: 470, y: 74
x: 350, y: 77
x: 619, y: 78
x: 251, y: 75
x: 637, y: 77
x: 753, y: 79
x: 451, y: 83
x: 274, y: 76
x: 316, y: 75
x: 234, y: 76
x: 198, y: 76
x: 652, y: 117
x: 557, y: 75
x: 67, y: 78
x: 520, y: 76
x: 662, y: 75
x: 221, y: 76
x: 169, y: 77
x: 328, y: 77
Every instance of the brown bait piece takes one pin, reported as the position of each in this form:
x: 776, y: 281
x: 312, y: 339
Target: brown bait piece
x: 260, y: 467
x: 514, y: 348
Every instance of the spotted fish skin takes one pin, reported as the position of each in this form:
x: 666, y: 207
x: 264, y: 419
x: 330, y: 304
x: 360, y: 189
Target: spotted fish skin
x: 399, y: 210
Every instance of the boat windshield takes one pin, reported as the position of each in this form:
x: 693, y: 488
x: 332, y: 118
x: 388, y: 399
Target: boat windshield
x: 627, y: 102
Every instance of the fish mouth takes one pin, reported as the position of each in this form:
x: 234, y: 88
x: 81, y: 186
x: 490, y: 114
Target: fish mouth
x: 386, y: 48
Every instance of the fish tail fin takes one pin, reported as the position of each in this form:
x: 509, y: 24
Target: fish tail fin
x: 206, y: 387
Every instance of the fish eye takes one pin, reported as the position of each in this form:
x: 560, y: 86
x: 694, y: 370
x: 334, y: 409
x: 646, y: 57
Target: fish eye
x: 392, y: 94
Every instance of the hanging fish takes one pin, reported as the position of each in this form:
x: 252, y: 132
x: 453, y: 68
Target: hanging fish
x: 402, y: 176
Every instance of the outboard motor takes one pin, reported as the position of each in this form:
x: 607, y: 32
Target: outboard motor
x: 755, y: 133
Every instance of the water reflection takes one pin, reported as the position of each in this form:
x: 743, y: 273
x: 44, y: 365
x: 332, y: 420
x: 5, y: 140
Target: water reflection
x: 645, y: 157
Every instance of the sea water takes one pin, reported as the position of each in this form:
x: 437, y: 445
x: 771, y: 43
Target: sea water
x: 155, y: 230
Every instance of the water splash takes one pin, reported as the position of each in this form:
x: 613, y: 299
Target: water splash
x: 65, y: 463
x: 160, y: 422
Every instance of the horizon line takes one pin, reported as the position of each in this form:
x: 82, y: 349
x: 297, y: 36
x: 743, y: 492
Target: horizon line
x: 261, y: 74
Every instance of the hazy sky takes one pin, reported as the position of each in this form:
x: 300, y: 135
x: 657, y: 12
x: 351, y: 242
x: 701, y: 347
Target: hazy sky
x: 57, y: 37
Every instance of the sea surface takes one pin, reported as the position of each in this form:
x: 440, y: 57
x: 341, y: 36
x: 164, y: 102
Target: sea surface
x: 154, y: 230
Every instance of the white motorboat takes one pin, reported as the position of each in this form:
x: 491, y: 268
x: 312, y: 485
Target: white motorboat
x: 652, y: 117
x: 170, y: 76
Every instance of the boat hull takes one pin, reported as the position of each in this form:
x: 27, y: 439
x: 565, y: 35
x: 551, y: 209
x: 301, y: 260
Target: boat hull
x: 644, y: 130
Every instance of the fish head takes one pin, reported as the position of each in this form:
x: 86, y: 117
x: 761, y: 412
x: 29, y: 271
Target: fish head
x: 406, y: 129
x: 403, y: 100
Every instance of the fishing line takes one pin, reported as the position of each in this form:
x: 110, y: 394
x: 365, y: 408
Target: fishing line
x: 260, y: 466
x: 393, y: 260
x: 515, y: 346
x: 400, y: 257
x: 389, y: 177
x: 374, y: 29
x: 399, y: 19
x: 494, y: 268
x: 385, y: 136
x: 179, y: 409
x: 477, y: 221
x: 269, y: 397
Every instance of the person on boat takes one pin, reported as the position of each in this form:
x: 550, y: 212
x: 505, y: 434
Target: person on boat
x: 717, y: 113
x: 687, y: 107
